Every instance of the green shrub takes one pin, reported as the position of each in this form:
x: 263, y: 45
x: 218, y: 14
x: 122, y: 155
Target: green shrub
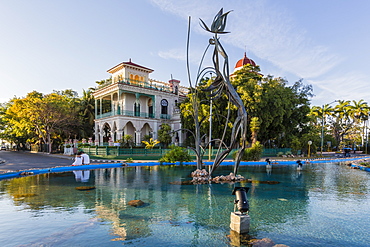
x: 83, y: 145
x: 253, y: 153
x: 176, y: 153
x: 279, y: 154
x: 365, y: 164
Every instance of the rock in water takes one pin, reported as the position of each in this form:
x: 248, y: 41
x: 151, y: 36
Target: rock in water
x: 136, y: 203
x: 85, y: 188
x: 265, y: 242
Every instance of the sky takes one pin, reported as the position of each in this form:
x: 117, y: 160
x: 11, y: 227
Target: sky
x: 70, y: 44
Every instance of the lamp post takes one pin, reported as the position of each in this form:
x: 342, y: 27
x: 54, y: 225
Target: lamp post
x: 210, y: 132
x: 309, y: 148
x: 210, y: 129
x: 366, y: 137
x: 322, y: 126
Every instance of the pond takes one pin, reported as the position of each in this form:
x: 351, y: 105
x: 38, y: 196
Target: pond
x: 322, y: 205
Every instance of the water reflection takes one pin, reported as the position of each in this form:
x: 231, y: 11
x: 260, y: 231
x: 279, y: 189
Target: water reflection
x: 82, y: 176
x: 175, y: 213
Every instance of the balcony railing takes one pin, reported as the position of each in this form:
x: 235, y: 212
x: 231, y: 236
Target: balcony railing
x: 142, y: 84
x: 165, y: 116
x: 126, y: 113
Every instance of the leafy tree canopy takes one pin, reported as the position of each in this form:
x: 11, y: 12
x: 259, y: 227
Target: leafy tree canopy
x: 282, y: 110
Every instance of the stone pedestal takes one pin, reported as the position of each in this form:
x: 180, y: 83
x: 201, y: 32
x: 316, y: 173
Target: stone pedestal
x: 239, y: 222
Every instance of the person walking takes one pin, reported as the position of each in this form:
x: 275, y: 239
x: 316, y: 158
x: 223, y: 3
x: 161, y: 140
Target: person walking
x: 85, y: 158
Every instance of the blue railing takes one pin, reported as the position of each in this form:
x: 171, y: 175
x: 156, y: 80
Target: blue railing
x: 165, y: 116
x: 127, y: 113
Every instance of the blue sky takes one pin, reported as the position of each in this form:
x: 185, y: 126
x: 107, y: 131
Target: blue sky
x: 57, y: 45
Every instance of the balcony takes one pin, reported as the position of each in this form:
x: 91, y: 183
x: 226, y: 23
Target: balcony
x: 149, y: 85
x: 165, y: 116
x: 126, y: 113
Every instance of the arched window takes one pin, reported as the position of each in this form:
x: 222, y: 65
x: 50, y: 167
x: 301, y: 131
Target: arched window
x: 150, y: 108
x: 136, y: 110
x: 136, y: 79
x: 164, y: 106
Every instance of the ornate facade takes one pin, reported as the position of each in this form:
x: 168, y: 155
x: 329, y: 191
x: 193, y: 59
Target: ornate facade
x: 131, y: 103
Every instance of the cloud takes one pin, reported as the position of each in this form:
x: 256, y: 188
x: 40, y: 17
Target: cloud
x: 264, y: 28
x: 195, y: 55
x: 341, y: 87
x: 269, y: 31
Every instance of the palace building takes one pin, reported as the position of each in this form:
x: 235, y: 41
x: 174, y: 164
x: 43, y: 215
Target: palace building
x: 130, y: 103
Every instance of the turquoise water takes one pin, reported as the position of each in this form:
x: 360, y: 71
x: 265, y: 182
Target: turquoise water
x: 323, y: 205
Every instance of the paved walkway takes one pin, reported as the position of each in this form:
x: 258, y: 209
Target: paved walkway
x: 25, y: 160
x: 20, y: 160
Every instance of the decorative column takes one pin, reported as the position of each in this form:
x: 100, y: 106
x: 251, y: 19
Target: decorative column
x: 138, y: 137
x: 111, y: 104
x: 110, y: 141
x: 96, y: 108
x: 96, y: 134
x: 155, y: 130
x: 180, y: 135
x: 101, y: 106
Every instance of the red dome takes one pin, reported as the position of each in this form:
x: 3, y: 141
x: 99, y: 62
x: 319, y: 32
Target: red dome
x: 244, y: 61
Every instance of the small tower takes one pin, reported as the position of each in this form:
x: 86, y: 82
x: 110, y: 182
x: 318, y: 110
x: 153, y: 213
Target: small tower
x: 174, y: 85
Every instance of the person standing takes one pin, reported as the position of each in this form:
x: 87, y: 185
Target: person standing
x: 85, y: 158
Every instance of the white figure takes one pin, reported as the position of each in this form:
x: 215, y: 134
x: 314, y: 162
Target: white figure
x: 85, y: 158
x: 78, y: 160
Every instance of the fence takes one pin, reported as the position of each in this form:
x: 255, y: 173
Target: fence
x: 155, y: 154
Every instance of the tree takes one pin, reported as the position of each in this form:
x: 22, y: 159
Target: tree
x: 43, y: 115
x: 87, y: 113
x: 176, y: 153
x: 255, y: 126
x: 164, y: 135
x: 360, y: 114
x: 195, y: 111
x: 342, y: 123
x: 282, y: 110
x: 127, y: 141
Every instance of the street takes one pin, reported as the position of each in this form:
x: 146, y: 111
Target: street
x: 20, y: 160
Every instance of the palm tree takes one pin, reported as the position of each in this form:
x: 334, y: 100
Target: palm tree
x: 342, y: 123
x: 360, y: 114
x: 327, y: 113
x: 315, y: 113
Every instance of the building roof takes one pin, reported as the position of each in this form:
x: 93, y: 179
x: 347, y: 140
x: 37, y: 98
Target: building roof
x: 244, y: 61
x: 128, y: 64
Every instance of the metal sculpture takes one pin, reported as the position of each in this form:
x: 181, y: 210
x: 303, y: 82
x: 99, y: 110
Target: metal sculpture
x: 221, y: 84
